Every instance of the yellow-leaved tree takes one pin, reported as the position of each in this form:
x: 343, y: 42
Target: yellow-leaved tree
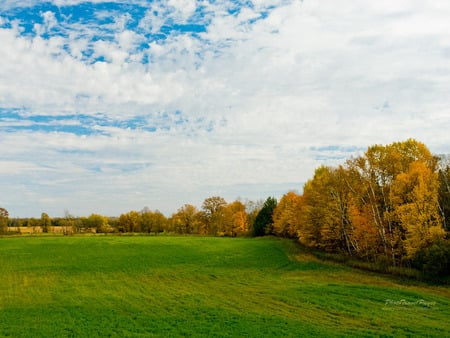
x: 187, y: 220
x: 378, y: 169
x: 326, y: 213
x: 213, y: 211
x: 324, y: 218
x: 3, y: 220
x: 287, y: 215
x: 235, y: 219
x: 415, y: 197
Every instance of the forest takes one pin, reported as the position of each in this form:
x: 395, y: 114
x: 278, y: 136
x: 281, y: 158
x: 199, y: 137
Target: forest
x: 389, y: 207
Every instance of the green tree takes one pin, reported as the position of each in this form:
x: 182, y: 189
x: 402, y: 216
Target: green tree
x: 264, y: 220
x: 434, y: 261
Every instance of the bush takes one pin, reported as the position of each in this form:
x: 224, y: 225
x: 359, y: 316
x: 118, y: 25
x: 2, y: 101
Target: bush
x: 434, y: 261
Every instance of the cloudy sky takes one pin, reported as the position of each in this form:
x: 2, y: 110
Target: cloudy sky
x: 111, y: 106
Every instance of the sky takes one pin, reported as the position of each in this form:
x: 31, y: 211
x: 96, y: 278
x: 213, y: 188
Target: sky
x: 113, y: 106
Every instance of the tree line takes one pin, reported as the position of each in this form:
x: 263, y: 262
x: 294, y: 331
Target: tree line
x: 390, y: 205
x: 216, y: 217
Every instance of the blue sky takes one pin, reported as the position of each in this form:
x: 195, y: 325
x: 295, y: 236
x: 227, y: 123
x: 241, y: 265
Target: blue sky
x: 111, y: 106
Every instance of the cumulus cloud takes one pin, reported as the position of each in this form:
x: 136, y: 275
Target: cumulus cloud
x: 168, y: 102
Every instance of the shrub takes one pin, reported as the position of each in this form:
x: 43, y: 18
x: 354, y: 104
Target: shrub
x: 434, y: 261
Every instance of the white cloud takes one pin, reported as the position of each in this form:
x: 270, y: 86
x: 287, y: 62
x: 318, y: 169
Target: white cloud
x: 49, y: 23
x: 183, y: 9
x: 257, y: 92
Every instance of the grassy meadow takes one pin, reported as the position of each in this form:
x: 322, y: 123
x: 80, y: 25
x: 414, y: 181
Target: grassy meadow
x: 141, y: 286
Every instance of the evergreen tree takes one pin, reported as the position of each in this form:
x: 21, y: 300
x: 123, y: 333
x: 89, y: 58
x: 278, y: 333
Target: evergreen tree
x: 264, y: 219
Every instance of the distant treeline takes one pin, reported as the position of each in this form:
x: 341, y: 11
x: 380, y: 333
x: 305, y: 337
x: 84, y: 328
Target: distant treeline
x: 217, y: 218
x: 389, y: 206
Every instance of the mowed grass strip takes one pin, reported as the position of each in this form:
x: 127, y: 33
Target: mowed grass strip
x: 103, y: 286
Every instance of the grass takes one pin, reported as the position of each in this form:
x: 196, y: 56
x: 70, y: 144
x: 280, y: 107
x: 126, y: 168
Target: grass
x: 201, y: 286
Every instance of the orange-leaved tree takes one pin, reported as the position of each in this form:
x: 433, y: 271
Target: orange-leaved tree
x: 235, y: 219
x: 287, y: 215
x: 378, y: 169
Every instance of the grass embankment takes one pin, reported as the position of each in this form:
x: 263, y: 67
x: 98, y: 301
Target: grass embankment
x: 194, y: 286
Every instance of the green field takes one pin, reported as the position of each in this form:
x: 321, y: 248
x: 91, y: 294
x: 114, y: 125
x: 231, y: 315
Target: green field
x: 201, y: 286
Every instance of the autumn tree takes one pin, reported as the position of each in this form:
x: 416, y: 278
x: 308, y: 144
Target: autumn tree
x: 70, y: 222
x: 415, y: 199
x: 264, y: 220
x: 364, y: 234
x: 235, y: 219
x: 213, y: 208
x: 287, y: 215
x: 316, y: 213
x: 159, y: 223
x: 187, y: 220
x: 444, y: 191
x: 97, y: 222
x: 129, y: 222
x: 152, y: 221
x: 377, y: 169
x: 45, y: 222
x: 384, y: 203
x: 252, y: 209
x: 4, y: 214
x: 325, y: 220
